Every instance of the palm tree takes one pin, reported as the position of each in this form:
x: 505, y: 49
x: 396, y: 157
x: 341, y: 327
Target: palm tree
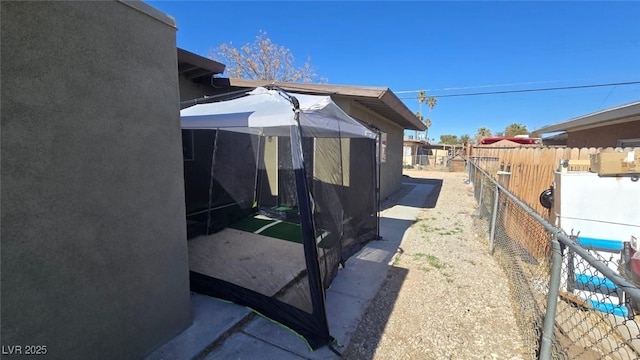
x: 431, y: 102
x: 422, y: 98
x: 421, y: 118
x: 427, y: 123
x: 465, y: 139
x: 482, y: 133
x: 516, y: 129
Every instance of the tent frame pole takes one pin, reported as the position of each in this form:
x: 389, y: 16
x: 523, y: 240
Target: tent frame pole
x: 307, y: 226
x: 211, y: 98
x: 377, y: 159
x: 258, y: 180
x: 378, y: 181
x: 213, y: 164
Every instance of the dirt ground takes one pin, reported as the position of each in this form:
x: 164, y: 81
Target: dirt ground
x: 444, y: 296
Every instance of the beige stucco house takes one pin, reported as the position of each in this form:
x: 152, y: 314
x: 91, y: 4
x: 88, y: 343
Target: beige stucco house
x: 376, y: 106
x: 94, y: 250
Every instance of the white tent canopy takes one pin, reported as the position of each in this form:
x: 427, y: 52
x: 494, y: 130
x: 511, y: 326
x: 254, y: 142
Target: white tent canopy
x: 268, y: 112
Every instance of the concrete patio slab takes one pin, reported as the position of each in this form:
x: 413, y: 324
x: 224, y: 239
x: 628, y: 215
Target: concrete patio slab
x: 346, y: 301
x: 279, y: 336
x: 343, y: 313
x: 361, y: 279
x: 243, y: 346
x: 211, y: 319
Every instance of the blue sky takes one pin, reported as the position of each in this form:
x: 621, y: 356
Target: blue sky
x: 437, y: 46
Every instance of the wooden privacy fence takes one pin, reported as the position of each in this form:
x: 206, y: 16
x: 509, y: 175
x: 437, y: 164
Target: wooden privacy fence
x: 527, y: 171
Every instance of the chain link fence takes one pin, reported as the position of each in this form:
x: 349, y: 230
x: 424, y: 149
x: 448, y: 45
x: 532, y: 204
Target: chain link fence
x: 570, y: 301
x: 420, y: 162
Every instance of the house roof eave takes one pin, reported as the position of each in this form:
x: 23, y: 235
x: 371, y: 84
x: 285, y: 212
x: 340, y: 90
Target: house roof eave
x: 377, y: 99
x: 616, y: 115
x: 195, y: 67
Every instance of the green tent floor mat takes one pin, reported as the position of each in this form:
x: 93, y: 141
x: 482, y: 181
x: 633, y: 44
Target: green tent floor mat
x: 266, y: 226
x: 284, y: 208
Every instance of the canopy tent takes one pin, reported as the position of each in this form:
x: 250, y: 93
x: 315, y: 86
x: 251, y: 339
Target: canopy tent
x: 270, y: 113
x: 279, y: 191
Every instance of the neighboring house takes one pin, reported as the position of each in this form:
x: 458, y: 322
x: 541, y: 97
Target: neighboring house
x: 94, y: 249
x: 442, y: 153
x: 421, y: 153
x: 555, y: 140
x: 444, y: 149
x: 414, y: 152
x: 515, y: 141
x: 616, y: 126
x: 374, y: 106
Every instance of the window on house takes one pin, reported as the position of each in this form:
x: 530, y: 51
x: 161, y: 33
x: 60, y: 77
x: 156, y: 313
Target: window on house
x: 381, y: 148
x: 623, y: 143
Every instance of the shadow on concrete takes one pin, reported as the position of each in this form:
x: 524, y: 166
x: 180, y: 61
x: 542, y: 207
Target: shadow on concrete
x: 365, y: 276
x: 423, y: 181
x: 394, y: 224
x: 368, y: 335
x: 431, y: 200
x: 387, y: 278
x: 408, y: 183
x: 368, y: 284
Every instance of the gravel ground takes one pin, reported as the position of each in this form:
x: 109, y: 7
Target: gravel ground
x: 444, y: 297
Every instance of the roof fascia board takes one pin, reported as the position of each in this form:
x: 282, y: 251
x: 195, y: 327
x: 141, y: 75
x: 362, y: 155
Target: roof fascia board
x: 601, y: 118
x: 314, y: 88
x: 383, y: 94
x: 607, y: 123
x: 200, y: 61
x: 389, y: 98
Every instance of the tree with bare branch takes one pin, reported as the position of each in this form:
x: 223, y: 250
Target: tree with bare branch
x: 264, y: 60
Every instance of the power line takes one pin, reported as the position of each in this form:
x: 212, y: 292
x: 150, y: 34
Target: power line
x: 483, y: 86
x: 533, y: 90
x: 607, y: 98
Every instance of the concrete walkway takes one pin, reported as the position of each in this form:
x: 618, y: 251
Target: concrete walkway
x: 222, y: 330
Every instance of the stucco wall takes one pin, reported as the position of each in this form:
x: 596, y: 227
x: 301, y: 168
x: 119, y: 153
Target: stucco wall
x: 391, y: 170
x: 94, y: 259
x: 605, y: 136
